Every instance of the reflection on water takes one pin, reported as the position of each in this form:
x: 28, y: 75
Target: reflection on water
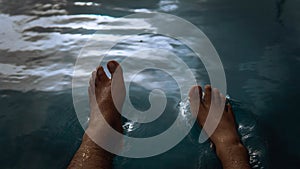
x: 258, y: 43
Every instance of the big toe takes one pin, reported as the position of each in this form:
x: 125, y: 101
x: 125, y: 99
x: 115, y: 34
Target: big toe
x: 92, y: 81
x: 195, y: 93
x: 113, y: 66
x: 116, y: 72
x: 100, y: 76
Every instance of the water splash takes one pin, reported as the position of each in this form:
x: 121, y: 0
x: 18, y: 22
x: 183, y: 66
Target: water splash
x: 130, y: 126
x: 184, y: 112
x: 184, y: 107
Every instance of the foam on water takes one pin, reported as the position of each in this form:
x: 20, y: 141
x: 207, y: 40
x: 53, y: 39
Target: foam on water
x: 130, y: 126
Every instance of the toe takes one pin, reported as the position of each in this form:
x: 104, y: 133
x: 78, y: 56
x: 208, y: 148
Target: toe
x: 116, y: 74
x: 100, y: 75
x: 113, y: 66
x: 93, y: 75
x: 222, y: 98
x: 216, y: 96
x: 92, y: 80
x: 195, y: 93
x: 207, y: 96
x: 229, y: 108
x: 116, y: 71
x: 118, y: 90
x: 195, y: 99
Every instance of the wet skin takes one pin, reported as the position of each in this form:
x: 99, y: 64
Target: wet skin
x: 101, y: 92
x: 229, y: 148
x: 104, y: 92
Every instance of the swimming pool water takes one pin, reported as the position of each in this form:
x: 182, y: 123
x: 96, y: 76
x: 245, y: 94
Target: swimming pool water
x: 258, y: 43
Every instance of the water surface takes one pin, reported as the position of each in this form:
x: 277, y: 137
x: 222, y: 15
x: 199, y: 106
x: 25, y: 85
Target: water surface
x: 258, y: 43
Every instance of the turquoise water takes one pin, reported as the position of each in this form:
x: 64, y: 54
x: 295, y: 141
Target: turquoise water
x: 258, y: 43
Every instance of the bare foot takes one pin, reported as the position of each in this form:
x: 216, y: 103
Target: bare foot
x: 103, y: 93
x: 231, y: 152
x: 226, y: 131
x: 106, y: 96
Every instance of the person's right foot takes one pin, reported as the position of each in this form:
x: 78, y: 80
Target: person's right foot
x: 226, y: 132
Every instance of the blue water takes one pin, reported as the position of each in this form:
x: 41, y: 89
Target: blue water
x: 258, y: 43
